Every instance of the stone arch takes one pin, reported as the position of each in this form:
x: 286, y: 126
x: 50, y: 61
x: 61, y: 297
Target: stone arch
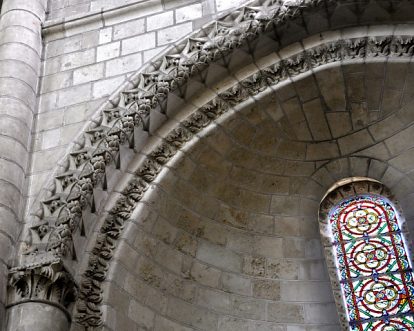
x: 335, y: 167
x: 117, y: 123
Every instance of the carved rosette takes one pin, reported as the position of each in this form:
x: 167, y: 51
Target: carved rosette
x: 48, y: 282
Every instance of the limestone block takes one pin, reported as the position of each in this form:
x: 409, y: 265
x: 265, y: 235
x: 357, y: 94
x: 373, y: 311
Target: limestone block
x: 45, y: 160
x: 73, y: 95
x: 400, y: 141
x: 190, y: 314
x: 170, y: 4
x: 16, y: 109
x: 138, y: 43
x: 173, y: 33
x: 138, y: 10
x: 284, y: 205
x: 318, y: 312
x: 22, y: 53
x: 160, y: 20
x: 264, y: 326
x: 88, y: 74
x: 16, y: 69
x: 68, y: 132
x: 12, y: 87
x: 219, y: 257
x: 228, y: 323
x: 306, y: 291
x: 283, y: 312
x: 105, y: 35
x: 332, y: 87
x: 107, y: 86
x: 255, y: 266
x: 227, y: 4
x: 123, y: 65
x: 25, y: 36
x: 315, y: 116
x: 188, y: 13
x: 313, y: 270
x: 77, y: 59
x: 36, y: 7
x: 24, y: 18
x: 149, y: 54
x: 56, y: 81
x: 142, y: 315
x: 51, y: 138
x: 128, y: 29
x: 339, y: 123
x: 322, y: 150
x: 161, y: 324
x: 268, y: 289
x: 8, y: 226
x: 403, y: 161
x: 15, y: 129
x: 236, y: 284
x: 213, y: 299
x: 354, y: 142
x: 14, y: 151
x: 108, y: 51
x: 205, y: 274
x: 391, y: 100
x: 90, y: 39
x: 36, y: 316
x: 282, y: 269
x: 247, y: 307
x: 186, y: 244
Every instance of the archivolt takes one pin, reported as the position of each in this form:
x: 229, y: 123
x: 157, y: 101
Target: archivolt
x: 61, y: 214
x: 269, y: 76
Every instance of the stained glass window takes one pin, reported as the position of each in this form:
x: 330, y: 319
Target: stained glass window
x: 374, y: 270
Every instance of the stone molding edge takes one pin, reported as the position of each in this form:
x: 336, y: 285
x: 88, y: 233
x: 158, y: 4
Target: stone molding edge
x: 74, y: 21
x: 101, y: 254
x: 60, y: 215
x: 348, y: 188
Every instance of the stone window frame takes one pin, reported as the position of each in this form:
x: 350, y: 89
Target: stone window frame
x: 341, y: 190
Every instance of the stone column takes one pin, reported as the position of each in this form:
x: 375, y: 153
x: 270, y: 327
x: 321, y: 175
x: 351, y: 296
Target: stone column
x: 20, y: 54
x: 40, y: 297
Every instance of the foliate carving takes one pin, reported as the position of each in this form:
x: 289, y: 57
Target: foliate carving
x: 87, y: 164
x: 91, y: 288
x: 48, y: 281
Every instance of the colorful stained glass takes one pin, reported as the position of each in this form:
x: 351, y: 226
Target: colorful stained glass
x: 374, y: 270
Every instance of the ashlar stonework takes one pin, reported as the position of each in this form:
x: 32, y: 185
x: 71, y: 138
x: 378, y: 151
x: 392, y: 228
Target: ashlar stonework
x: 188, y: 199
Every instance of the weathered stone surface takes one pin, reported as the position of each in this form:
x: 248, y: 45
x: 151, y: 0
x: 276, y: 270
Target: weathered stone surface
x: 230, y: 234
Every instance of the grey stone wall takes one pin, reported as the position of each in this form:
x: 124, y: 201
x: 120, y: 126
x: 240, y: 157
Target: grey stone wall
x: 89, y: 57
x: 65, y: 8
x: 228, y: 239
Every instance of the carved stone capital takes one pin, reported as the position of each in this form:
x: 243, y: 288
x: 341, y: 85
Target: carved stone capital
x: 47, y: 282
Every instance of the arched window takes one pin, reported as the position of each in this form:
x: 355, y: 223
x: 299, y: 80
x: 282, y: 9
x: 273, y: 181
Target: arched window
x: 371, y: 258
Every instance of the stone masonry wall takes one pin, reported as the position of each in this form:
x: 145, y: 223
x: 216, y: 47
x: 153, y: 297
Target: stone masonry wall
x: 227, y: 238
x: 65, y: 8
x: 89, y: 57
